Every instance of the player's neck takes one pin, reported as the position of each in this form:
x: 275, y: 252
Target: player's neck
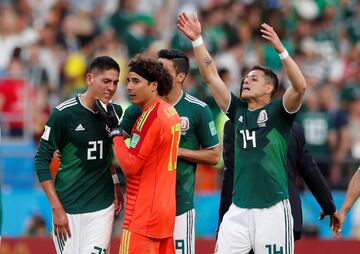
x: 174, y: 96
x: 87, y: 101
x: 254, y: 104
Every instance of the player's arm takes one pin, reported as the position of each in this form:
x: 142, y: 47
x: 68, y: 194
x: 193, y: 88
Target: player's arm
x: 210, y: 156
x: 294, y: 94
x: 119, y: 198
x: 129, y: 163
x: 191, y: 28
x: 352, y: 194
x: 43, y: 159
x: 60, y: 220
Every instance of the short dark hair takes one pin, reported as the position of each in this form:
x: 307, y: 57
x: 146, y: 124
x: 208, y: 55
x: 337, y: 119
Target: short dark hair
x: 154, y: 71
x: 270, y: 74
x: 103, y: 63
x: 178, y: 58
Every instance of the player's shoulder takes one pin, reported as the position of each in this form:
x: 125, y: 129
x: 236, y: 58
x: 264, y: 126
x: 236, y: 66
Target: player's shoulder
x: 66, y: 106
x: 193, y: 101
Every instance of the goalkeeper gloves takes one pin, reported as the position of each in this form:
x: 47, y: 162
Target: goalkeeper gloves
x: 110, y: 117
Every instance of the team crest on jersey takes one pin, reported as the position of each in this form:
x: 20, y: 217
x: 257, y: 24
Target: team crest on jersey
x: 262, y: 118
x: 185, y: 124
x: 241, y: 119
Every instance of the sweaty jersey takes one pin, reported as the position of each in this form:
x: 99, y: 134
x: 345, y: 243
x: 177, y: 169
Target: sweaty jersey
x: 150, y: 196
x: 261, y: 139
x: 197, y: 130
x: 83, y: 182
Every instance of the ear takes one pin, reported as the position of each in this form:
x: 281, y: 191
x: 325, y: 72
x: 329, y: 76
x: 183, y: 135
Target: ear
x: 180, y: 77
x: 88, y: 78
x: 154, y: 86
x: 269, y: 88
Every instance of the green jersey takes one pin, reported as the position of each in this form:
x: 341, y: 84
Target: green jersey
x: 317, y: 127
x: 261, y: 139
x: 83, y: 182
x: 197, y: 131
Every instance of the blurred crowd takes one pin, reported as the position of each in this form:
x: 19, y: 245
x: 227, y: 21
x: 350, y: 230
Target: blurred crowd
x: 45, y: 46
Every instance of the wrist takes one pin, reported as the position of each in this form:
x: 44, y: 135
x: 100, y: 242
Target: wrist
x: 284, y: 54
x: 115, y: 178
x: 114, y: 132
x: 197, y: 42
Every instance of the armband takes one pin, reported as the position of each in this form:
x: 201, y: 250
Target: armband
x: 283, y: 55
x: 115, y: 179
x: 197, y: 42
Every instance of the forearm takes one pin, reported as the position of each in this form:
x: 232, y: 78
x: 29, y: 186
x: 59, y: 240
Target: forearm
x: 352, y: 193
x: 129, y: 163
x: 294, y: 74
x: 49, y: 189
x: 203, y: 156
x: 210, y: 75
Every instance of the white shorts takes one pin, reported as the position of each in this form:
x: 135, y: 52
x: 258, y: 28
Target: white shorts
x: 90, y: 233
x: 184, y: 233
x: 266, y: 230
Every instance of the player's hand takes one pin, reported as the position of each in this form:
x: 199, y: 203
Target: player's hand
x: 269, y: 34
x: 61, y: 223
x: 337, y: 226
x: 119, y: 199
x: 108, y: 114
x: 191, y: 28
x: 56, y: 155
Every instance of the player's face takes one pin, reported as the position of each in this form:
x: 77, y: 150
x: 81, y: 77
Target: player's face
x: 255, y: 85
x: 103, y: 84
x: 141, y: 91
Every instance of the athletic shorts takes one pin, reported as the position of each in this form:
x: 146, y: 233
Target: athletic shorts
x: 90, y: 233
x: 266, y: 230
x: 133, y: 243
x: 184, y: 233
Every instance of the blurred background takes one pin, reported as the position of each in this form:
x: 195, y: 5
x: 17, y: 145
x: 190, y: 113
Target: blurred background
x: 46, y: 45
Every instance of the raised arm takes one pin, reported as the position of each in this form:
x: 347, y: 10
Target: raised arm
x: 191, y: 28
x: 294, y: 94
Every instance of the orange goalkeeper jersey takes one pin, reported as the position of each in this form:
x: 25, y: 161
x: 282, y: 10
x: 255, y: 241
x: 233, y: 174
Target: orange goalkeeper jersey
x: 151, y: 177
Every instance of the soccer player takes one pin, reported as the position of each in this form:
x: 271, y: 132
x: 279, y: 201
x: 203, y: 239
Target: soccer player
x: 299, y: 160
x: 150, y: 162
x: 259, y: 217
x: 198, y: 144
x: 82, y: 197
x: 352, y: 194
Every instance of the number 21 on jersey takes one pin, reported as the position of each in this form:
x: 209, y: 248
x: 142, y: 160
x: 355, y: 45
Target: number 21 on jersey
x: 248, y: 136
x: 175, y: 132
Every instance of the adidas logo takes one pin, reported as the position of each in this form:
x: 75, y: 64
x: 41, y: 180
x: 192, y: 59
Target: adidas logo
x: 79, y: 128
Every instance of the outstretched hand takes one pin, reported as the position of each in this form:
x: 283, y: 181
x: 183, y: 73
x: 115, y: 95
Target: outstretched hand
x: 269, y: 34
x: 190, y: 27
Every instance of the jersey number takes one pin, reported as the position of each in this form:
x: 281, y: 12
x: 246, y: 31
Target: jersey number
x: 95, y: 148
x: 247, y: 136
x: 175, y: 132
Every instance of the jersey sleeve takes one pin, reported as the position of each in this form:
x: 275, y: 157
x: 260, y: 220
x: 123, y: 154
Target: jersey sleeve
x: 129, y: 118
x: 206, y: 130
x: 235, y: 102
x: 49, y: 142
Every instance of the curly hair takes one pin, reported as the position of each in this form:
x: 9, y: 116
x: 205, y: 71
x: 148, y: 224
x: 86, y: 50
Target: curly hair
x: 153, y: 71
